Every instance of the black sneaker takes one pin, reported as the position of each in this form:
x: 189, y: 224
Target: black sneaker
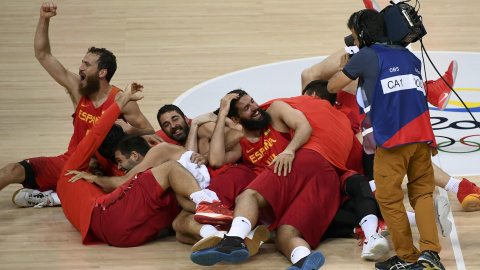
x: 430, y: 260
x: 231, y: 249
x: 313, y: 261
x: 396, y: 263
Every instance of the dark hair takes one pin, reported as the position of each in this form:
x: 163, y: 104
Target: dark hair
x: 319, y: 87
x: 106, y: 60
x: 107, y: 148
x: 369, y: 26
x: 131, y: 143
x: 168, y: 108
x: 233, y: 110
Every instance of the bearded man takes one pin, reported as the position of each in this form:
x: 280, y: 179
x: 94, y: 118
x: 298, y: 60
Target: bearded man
x: 91, y: 94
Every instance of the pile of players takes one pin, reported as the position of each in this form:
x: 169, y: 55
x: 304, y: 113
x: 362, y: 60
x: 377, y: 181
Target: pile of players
x: 300, y: 166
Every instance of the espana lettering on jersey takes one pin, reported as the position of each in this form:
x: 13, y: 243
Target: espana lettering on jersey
x: 402, y: 82
x: 84, y: 116
x: 259, y: 154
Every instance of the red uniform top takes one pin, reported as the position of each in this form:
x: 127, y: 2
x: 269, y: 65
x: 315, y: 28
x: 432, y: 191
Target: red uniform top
x: 260, y: 154
x: 332, y: 136
x: 78, y: 199
x: 347, y: 104
x: 164, y: 136
x: 131, y: 215
x: 85, y: 116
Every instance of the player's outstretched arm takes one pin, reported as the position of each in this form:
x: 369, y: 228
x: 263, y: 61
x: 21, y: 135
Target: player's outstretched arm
x: 43, y: 53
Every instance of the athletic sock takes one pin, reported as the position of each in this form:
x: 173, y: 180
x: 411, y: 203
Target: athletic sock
x: 298, y: 253
x: 207, y: 230
x: 240, y: 227
x: 411, y: 218
x: 369, y: 225
x: 56, y: 199
x: 200, y: 196
x: 453, y: 185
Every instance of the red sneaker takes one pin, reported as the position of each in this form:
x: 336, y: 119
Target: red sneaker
x: 382, y: 227
x: 469, y: 196
x: 438, y: 91
x: 214, y: 213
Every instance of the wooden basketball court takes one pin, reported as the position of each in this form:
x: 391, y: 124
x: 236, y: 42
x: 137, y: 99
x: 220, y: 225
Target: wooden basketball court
x: 171, y: 46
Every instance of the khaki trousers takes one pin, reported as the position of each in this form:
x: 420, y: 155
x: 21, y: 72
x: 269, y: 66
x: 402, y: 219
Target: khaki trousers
x: 390, y: 168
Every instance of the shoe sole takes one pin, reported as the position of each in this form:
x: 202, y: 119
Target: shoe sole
x: 471, y: 203
x: 207, y: 242
x: 442, y: 209
x: 454, y: 72
x: 261, y: 235
x: 428, y: 264
x: 15, y: 195
x: 314, y: 261
x: 213, y: 219
x: 377, y: 252
x: 211, y: 257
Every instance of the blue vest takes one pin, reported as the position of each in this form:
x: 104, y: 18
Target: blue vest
x: 399, y: 111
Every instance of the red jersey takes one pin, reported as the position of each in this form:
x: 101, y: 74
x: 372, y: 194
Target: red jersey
x: 85, y: 116
x: 348, y: 105
x: 164, y: 136
x: 332, y: 136
x: 260, y: 154
x: 78, y: 199
x: 131, y: 215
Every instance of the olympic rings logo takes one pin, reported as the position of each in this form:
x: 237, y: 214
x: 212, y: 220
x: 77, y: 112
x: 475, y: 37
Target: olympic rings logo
x: 450, y: 142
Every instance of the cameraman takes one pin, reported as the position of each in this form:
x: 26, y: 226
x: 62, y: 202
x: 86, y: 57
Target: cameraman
x: 391, y: 93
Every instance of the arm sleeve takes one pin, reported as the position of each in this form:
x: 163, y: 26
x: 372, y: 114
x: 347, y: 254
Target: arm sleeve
x: 92, y: 141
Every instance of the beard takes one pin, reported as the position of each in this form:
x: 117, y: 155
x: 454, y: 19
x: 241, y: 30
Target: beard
x: 182, y: 137
x: 251, y: 124
x: 92, y: 85
x: 130, y: 165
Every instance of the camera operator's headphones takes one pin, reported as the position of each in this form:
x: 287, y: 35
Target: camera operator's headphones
x: 363, y: 35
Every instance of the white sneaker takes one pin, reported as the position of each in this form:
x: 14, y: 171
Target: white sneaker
x: 375, y: 247
x: 26, y: 197
x: 442, y: 209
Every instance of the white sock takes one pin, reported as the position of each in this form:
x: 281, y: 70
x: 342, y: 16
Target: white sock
x: 200, y: 196
x: 207, y: 230
x: 56, y: 199
x: 411, y: 218
x: 369, y: 225
x: 452, y: 185
x: 372, y: 185
x: 298, y: 253
x: 240, y: 227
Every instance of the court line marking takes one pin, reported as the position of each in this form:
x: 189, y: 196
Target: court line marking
x: 457, y: 250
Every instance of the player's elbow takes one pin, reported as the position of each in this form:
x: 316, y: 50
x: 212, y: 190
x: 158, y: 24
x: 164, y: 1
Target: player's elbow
x: 307, y: 77
x: 331, y: 88
x: 40, y: 55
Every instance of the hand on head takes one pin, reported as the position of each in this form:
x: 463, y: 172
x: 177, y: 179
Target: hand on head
x: 225, y: 102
